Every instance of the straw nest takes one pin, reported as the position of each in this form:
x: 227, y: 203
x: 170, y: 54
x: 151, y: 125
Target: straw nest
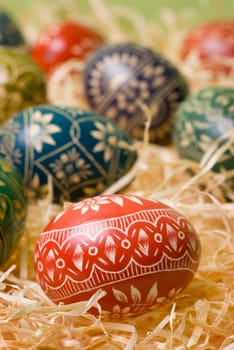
x: 202, y: 317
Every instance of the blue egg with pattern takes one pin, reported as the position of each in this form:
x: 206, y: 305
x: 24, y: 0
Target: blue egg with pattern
x: 10, y: 34
x: 120, y: 79
x: 73, y: 152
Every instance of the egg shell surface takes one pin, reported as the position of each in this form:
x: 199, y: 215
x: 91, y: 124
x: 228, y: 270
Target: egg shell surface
x: 22, y: 82
x: 80, y: 152
x: 13, y: 210
x: 62, y: 41
x: 213, y: 43
x: 201, y: 120
x: 140, y: 252
x: 119, y: 79
x: 10, y: 33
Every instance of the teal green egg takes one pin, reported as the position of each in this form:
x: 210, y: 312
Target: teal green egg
x: 22, y: 83
x: 13, y: 209
x: 203, y: 119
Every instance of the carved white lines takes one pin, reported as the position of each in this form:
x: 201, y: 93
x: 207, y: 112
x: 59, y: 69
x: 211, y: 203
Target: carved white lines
x: 102, y: 278
x: 93, y: 229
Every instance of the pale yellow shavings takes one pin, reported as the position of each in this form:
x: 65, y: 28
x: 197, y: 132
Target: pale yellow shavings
x: 201, y: 318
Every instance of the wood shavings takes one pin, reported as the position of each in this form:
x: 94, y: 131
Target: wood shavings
x: 201, y: 317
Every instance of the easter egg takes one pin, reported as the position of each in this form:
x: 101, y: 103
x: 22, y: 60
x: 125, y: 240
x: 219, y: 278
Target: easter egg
x: 120, y: 79
x: 75, y: 152
x: 22, y: 83
x: 62, y: 41
x: 13, y: 208
x: 10, y: 34
x: 140, y: 252
x: 202, y: 119
x: 213, y: 43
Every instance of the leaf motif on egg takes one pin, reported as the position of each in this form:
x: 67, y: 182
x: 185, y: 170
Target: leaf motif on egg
x: 135, y: 295
x: 119, y: 295
x: 153, y: 293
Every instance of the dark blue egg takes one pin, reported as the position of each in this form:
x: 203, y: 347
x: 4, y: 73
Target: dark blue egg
x: 121, y: 79
x: 78, y: 152
x: 10, y: 34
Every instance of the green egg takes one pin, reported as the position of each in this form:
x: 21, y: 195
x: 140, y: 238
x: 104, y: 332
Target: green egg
x: 13, y: 208
x: 22, y: 83
x: 202, y: 119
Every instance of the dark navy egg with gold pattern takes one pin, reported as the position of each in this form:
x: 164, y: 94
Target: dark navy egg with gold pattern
x: 78, y: 152
x: 120, y: 79
x: 203, y: 119
x: 10, y: 34
x: 13, y: 208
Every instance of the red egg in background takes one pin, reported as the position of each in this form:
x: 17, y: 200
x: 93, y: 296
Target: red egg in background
x: 213, y: 42
x: 63, y: 41
x: 140, y: 252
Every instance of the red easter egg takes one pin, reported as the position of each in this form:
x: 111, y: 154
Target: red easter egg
x: 63, y: 41
x: 140, y: 252
x: 213, y: 42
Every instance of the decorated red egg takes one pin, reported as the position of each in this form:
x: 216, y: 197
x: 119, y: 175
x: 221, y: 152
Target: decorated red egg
x: 63, y: 41
x: 213, y: 43
x: 139, y: 251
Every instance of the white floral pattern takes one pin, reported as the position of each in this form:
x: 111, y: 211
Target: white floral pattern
x: 95, y: 203
x: 41, y: 130
x: 70, y: 168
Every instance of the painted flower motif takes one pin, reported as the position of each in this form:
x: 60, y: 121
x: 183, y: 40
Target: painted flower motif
x: 107, y: 140
x: 41, y: 129
x: 95, y: 202
x: 91, y: 204
x: 70, y: 168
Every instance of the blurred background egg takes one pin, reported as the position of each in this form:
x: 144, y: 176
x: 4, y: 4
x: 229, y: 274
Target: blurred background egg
x: 13, y: 208
x: 63, y: 41
x: 22, y: 82
x: 77, y: 151
x: 10, y: 34
x: 202, y: 119
x: 212, y: 43
x: 120, y: 79
x: 140, y: 252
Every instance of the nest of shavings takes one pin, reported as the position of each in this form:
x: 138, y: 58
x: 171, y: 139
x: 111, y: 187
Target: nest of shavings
x: 202, y: 316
